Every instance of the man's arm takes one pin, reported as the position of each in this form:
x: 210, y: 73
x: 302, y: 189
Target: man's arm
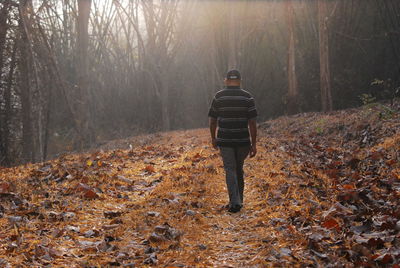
x: 253, y: 135
x: 213, y: 130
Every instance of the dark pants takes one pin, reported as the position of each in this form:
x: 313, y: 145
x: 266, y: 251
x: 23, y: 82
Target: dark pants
x: 233, y: 158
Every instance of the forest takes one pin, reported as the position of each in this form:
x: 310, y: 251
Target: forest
x: 106, y: 157
x: 75, y: 74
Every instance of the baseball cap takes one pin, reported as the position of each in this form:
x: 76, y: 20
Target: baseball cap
x: 233, y: 75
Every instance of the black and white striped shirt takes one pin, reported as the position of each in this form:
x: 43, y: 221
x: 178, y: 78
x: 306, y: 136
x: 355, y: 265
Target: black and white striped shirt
x: 233, y: 108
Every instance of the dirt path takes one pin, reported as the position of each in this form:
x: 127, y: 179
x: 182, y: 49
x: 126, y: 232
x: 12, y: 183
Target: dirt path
x: 240, y: 239
x: 214, y: 237
x: 232, y: 236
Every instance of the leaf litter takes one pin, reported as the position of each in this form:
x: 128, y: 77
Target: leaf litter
x: 323, y: 191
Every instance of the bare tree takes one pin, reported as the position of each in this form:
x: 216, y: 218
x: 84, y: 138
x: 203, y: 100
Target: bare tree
x: 8, y: 104
x: 25, y: 77
x: 160, y: 51
x: 325, y: 73
x: 292, y: 96
x: 3, y: 29
x: 82, y: 103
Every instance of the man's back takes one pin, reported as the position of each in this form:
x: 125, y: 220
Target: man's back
x: 233, y: 107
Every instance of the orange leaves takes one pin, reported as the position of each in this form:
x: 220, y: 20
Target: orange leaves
x: 86, y: 191
x: 333, y: 173
x: 149, y: 148
x: 396, y: 173
x: 335, y: 164
x: 196, y: 158
x: 376, y: 155
x: 349, y: 186
x: 331, y: 224
x: 150, y: 169
x: 5, y: 187
x: 82, y: 187
x: 211, y: 168
x: 385, y: 259
x: 391, y: 162
x: 91, y: 163
x: 90, y: 194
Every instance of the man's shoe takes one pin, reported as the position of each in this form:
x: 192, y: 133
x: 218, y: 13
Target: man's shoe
x: 235, y: 208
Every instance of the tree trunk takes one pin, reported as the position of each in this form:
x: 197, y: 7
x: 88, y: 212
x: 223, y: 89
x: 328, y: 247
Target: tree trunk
x: 48, y: 111
x: 86, y: 135
x: 292, y: 99
x: 7, y: 100
x: 3, y: 31
x: 25, y: 87
x: 325, y: 79
x: 165, y: 102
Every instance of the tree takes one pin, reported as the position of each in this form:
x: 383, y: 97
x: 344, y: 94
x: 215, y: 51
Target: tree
x: 292, y: 96
x: 325, y: 74
x: 25, y: 78
x: 160, y: 52
x: 3, y: 32
x: 86, y: 134
x: 7, y: 112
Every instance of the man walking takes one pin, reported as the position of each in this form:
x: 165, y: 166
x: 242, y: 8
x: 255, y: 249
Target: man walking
x: 233, y: 111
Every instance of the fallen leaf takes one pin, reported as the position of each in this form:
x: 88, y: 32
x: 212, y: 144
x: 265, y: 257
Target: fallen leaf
x: 331, y: 224
x: 150, y: 169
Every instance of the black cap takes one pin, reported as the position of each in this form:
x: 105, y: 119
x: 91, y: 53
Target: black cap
x: 233, y: 75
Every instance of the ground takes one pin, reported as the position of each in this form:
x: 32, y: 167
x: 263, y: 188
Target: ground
x: 322, y: 191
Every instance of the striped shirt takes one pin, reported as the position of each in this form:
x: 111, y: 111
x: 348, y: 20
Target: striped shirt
x: 233, y: 108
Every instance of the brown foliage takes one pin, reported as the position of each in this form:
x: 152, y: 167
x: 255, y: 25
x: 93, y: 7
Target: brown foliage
x: 316, y: 199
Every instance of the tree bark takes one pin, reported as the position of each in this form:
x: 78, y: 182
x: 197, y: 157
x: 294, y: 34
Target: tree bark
x: 165, y: 102
x: 292, y: 99
x: 86, y: 135
x: 8, y: 111
x: 325, y: 75
x: 3, y: 32
x: 25, y: 87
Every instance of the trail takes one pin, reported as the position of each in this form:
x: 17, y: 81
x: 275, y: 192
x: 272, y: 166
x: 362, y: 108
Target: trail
x: 214, y: 237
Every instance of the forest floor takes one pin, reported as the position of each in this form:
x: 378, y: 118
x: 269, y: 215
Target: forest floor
x: 323, y: 191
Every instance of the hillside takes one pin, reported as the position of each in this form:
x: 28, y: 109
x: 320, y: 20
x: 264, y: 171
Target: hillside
x: 323, y: 190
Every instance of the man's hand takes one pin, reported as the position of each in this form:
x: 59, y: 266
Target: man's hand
x: 253, y: 135
x: 253, y: 151
x: 213, y: 130
x: 214, y: 143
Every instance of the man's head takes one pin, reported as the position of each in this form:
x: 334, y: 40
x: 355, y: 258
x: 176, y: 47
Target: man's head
x: 233, y: 78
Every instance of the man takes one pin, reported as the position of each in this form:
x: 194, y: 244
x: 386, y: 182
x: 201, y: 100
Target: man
x: 233, y: 111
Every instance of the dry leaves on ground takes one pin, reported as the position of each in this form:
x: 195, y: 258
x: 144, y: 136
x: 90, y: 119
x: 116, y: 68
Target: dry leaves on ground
x: 323, y: 190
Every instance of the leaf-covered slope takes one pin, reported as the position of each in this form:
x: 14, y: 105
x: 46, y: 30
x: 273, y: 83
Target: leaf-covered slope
x: 323, y: 189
